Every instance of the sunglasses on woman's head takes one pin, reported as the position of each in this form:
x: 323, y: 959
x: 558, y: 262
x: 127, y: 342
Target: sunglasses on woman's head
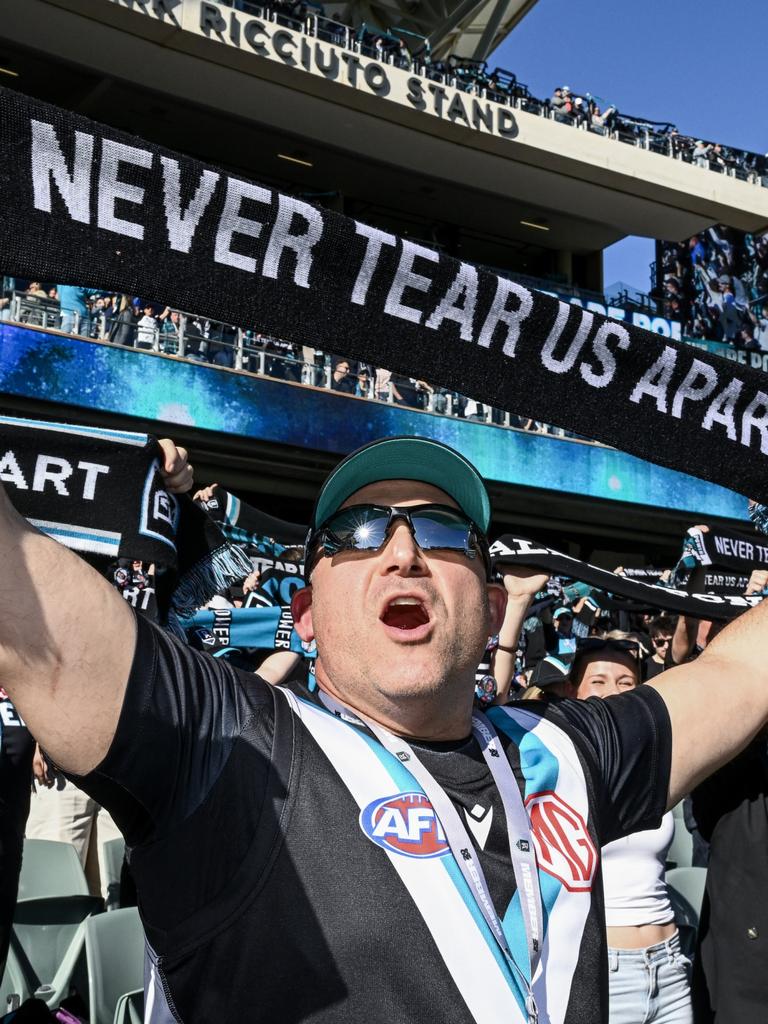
x: 588, y: 644
x: 367, y: 527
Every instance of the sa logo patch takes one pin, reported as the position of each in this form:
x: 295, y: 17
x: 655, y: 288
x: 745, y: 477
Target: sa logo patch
x: 405, y: 823
x: 564, y: 847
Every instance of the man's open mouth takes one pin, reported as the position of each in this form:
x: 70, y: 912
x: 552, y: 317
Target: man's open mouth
x: 405, y: 613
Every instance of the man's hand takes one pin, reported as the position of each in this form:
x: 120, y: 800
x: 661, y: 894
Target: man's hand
x: 176, y: 470
x: 41, y: 770
x: 520, y: 583
x: 251, y: 582
x: 523, y: 582
x: 205, y: 493
x: 758, y: 581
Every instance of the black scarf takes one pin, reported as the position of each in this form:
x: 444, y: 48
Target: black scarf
x: 101, y: 493
x: 90, y: 205
x: 511, y: 550
x: 728, y: 549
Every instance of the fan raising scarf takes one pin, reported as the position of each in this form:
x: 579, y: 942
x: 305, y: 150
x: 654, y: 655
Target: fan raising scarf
x: 87, y: 204
x: 101, y: 493
x: 518, y: 551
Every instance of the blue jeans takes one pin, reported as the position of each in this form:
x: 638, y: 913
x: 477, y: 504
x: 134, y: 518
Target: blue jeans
x: 650, y: 986
x: 68, y: 323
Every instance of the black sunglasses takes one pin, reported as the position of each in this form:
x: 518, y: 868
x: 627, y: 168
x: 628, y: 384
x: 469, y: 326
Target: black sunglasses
x: 588, y: 644
x: 366, y: 528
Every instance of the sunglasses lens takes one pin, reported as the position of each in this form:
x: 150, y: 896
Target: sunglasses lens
x: 437, y: 528
x: 363, y: 529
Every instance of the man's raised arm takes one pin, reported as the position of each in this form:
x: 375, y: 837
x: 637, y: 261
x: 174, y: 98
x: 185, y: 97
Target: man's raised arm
x: 719, y: 702
x: 66, y: 636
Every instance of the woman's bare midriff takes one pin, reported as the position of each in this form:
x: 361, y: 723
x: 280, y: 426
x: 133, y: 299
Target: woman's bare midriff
x: 639, y: 936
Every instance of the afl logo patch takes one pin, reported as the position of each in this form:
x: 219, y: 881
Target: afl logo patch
x: 405, y: 823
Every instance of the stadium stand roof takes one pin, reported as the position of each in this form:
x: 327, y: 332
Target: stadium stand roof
x: 464, y: 28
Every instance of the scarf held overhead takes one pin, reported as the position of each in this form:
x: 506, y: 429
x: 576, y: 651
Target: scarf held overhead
x: 99, y: 492
x: 512, y: 551
x: 85, y: 204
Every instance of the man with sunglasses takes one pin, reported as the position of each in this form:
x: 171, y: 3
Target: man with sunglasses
x: 377, y: 851
x: 661, y: 630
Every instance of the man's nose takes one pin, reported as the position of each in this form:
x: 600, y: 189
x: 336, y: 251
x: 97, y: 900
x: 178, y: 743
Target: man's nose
x: 401, y: 553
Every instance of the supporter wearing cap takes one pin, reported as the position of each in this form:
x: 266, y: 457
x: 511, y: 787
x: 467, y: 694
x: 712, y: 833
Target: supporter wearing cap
x: 563, y: 641
x: 318, y: 859
x: 551, y: 677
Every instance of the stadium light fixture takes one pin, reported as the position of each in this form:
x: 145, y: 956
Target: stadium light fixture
x: 7, y: 71
x: 533, y: 224
x: 295, y: 159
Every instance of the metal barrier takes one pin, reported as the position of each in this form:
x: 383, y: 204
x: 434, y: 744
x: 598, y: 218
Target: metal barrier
x: 200, y: 340
x: 191, y: 338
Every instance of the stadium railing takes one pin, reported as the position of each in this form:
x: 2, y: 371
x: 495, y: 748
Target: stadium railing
x: 412, y: 52
x: 209, y: 342
x: 203, y: 341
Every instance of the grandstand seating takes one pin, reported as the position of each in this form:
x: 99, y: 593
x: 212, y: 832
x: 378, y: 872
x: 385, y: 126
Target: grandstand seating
x: 62, y: 942
x: 14, y: 988
x: 50, y: 869
x: 680, y: 854
x: 47, y: 941
x: 686, y: 893
x: 114, y: 946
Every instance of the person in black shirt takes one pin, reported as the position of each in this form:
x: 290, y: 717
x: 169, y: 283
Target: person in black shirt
x: 17, y: 749
x: 289, y: 865
x: 731, y: 812
x: 661, y: 630
x: 342, y: 379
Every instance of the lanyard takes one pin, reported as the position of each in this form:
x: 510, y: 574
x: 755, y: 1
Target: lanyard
x: 521, y: 847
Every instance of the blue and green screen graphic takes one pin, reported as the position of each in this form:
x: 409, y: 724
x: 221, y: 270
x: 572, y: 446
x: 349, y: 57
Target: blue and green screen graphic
x: 84, y: 374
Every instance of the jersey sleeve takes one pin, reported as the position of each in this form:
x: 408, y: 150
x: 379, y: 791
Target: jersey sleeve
x: 182, y: 713
x: 628, y: 738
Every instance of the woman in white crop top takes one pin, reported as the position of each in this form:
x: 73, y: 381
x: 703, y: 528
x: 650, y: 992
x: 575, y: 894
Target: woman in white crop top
x: 649, y: 977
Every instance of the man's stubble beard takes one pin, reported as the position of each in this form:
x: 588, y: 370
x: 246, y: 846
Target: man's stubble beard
x: 447, y: 663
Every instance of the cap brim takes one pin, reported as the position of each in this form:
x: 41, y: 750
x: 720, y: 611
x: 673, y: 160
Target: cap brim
x: 552, y: 669
x: 407, y: 458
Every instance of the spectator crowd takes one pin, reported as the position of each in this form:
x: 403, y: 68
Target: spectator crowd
x: 140, y: 324
x: 716, y: 284
x: 559, y: 640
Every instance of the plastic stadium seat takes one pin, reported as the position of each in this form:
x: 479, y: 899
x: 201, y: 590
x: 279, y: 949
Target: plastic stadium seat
x: 686, y: 893
x: 680, y: 853
x: 13, y: 982
x: 110, y: 865
x: 689, y: 883
x: 130, y: 1008
x: 114, y: 945
x: 50, y: 869
x: 47, y: 941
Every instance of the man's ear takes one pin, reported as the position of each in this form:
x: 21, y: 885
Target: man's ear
x: 301, y: 610
x: 497, y: 603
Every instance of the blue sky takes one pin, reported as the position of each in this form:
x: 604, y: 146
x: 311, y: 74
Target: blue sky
x: 698, y: 63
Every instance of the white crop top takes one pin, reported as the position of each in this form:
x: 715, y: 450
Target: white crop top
x: 633, y: 877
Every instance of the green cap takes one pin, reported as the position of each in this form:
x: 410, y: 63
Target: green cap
x: 406, y: 458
